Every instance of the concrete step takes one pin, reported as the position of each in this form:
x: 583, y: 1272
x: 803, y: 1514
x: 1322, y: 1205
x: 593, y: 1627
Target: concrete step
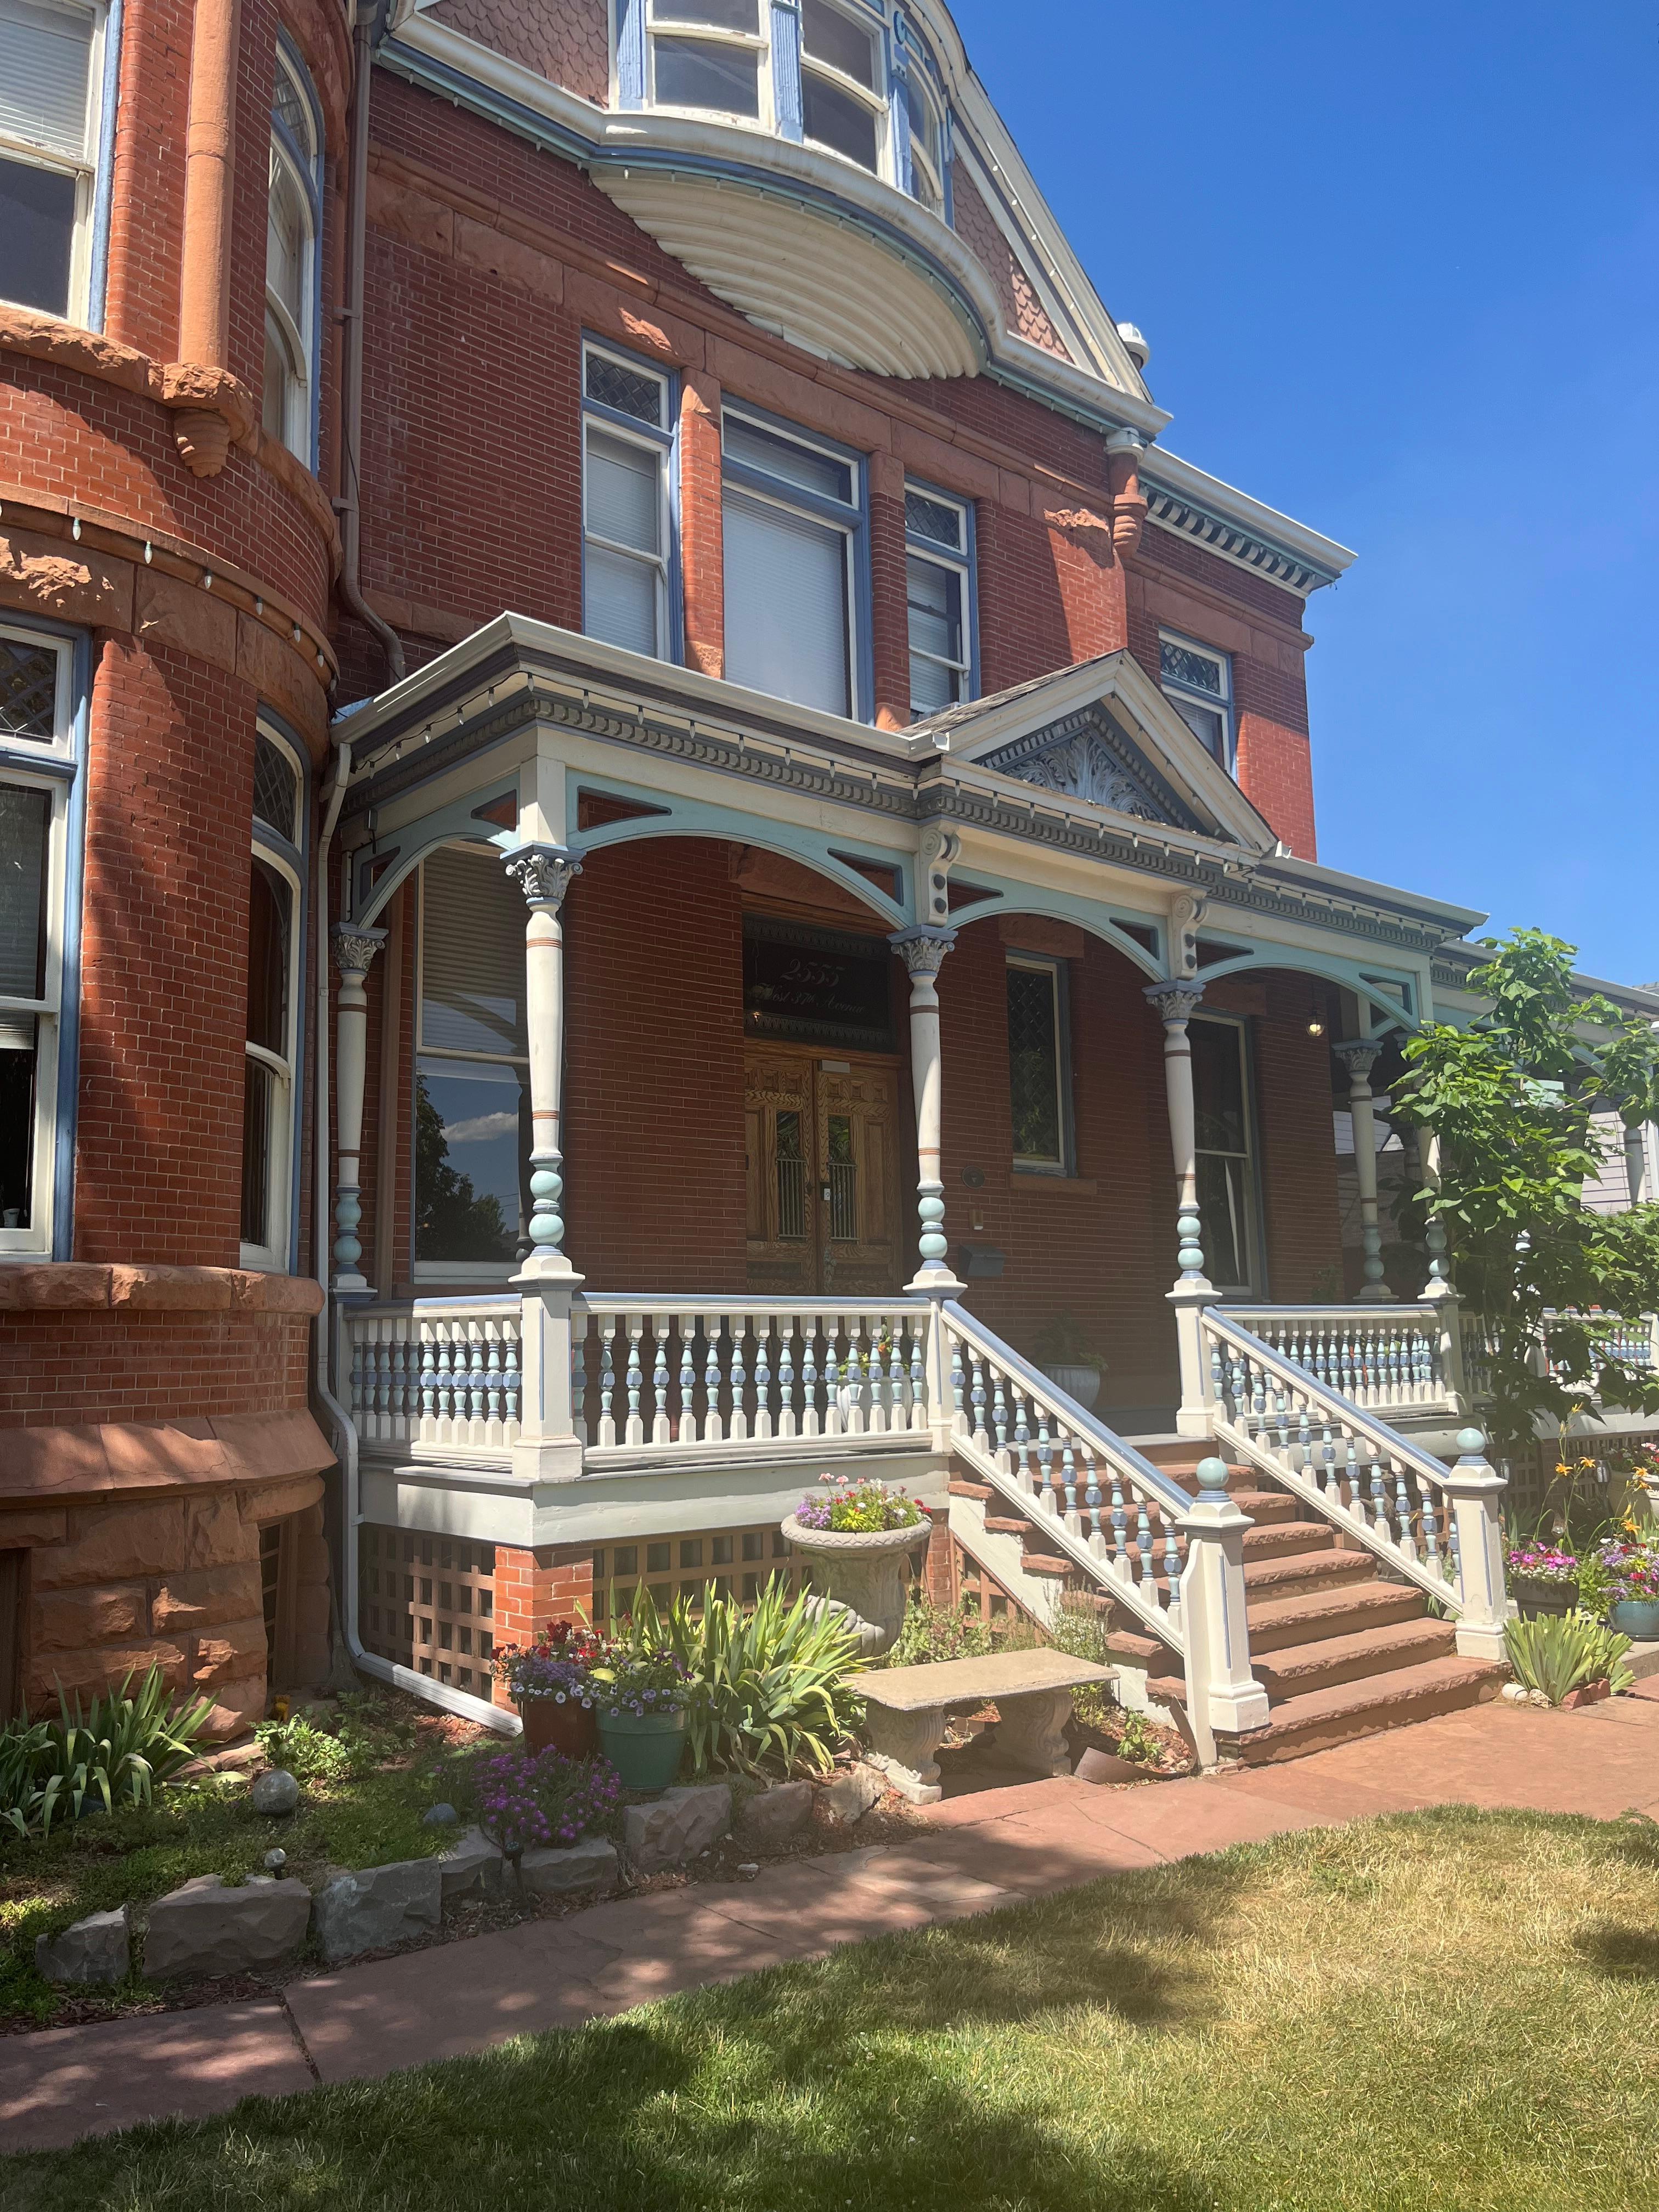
x: 1306, y: 1571
x: 1319, y: 1718
x: 1278, y: 1621
x: 1299, y: 1668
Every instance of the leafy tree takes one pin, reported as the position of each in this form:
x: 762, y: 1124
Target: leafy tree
x: 1511, y: 1100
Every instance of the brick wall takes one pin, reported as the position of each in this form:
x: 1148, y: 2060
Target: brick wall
x: 164, y: 963
x: 553, y: 1582
x: 72, y: 1369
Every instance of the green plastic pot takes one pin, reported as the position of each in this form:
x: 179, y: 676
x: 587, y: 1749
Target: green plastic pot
x: 1637, y: 1618
x: 644, y: 1748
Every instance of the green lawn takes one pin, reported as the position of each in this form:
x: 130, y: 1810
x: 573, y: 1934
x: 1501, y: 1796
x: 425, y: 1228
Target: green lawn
x: 1450, y: 2009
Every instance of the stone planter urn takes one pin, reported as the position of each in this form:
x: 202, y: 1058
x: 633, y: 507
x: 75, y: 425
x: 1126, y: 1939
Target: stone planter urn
x: 861, y: 1575
x: 1082, y: 1384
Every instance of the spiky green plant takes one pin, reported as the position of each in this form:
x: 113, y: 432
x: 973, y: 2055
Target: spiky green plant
x: 773, y: 1682
x: 118, y: 1749
x: 1563, y: 1651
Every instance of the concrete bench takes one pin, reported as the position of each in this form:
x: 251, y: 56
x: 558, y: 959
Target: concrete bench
x: 1031, y: 1690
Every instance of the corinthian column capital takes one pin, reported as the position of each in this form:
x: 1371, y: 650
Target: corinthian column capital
x: 543, y: 872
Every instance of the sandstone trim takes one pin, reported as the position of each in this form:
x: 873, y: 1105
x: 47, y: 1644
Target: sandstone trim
x: 69, y: 1465
x: 64, y: 1286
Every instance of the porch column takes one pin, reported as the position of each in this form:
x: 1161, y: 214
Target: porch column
x: 547, y: 1448
x: 354, y: 949
x: 542, y: 873
x: 1359, y: 1057
x: 924, y: 948
x: 1175, y: 1004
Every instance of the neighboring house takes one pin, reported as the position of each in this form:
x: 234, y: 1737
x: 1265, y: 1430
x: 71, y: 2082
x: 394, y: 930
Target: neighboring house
x: 848, y: 824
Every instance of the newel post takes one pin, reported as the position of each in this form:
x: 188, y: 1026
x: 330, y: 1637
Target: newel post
x: 1175, y: 1004
x: 354, y: 949
x: 1221, y: 1694
x: 547, y: 1448
x: 1474, y: 1492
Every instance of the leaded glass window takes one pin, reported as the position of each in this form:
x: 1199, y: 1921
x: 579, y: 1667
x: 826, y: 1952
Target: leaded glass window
x: 636, y: 391
x: 1198, y: 683
x: 28, y: 690
x: 276, y: 788
x: 1038, y: 1076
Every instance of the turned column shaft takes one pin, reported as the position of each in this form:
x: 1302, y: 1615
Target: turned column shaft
x: 543, y: 873
x: 1359, y: 1059
x: 924, y: 949
x: 354, y: 949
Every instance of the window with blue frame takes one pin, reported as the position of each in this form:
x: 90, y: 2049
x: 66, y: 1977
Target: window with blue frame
x: 292, y: 224
x: 1197, y: 680
x: 51, y: 80
x: 269, y: 1072
x: 847, y: 76
x: 940, y: 596
x: 38, y: 772
x: 796, y: 565
x: 628, y: 523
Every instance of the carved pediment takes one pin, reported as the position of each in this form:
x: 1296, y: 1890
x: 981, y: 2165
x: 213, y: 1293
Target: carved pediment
x: 1088, y: 757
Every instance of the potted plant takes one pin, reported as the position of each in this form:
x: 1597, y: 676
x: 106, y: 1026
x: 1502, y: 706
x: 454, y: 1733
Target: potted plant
x: 551, y: 1683
x: 642, y: 1697
x: 1630, y: 1564
x: 1544, y: 1578
x: 1065, y: 1356
x: 855, y: 1536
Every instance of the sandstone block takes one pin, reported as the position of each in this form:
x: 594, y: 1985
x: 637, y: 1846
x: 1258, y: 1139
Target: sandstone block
x: 168, y: 611
x: 676, y: 1827
x: 849, y: 1794
x: 206, y: 1928
x: 89, y: 1673
x: 231, y: 1650
x: 379, y: 1906
x: 116, y: 1543
x: 471, y: 1865
x: 767, y: 1822
x: 591, y: 1865
x: 237, y: 1705
x: 70, y: 1619
x: 95, y: 1950
x: 1105, y: 1767
x: 203, y: 1597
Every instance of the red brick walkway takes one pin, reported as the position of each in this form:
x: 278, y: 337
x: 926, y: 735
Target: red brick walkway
x: 993, y: 1849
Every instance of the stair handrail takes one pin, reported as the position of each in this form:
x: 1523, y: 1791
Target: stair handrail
x: 1448, y: 1540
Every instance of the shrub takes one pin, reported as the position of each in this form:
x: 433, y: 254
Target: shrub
x: 529, y: 1802
x: 770, y: 1687
x: 1080, y: 1630
x: 1563, y: 1651
x: 308, y: 1752
x: 119, y: 1750
x: 937, y: 1632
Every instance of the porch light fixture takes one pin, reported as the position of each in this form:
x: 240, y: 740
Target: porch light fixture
x: 1316, y: 1027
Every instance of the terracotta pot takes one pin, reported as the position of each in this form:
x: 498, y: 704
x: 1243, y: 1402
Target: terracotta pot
x: 1587, y: 1693
x: 862, y: 1574
x: 569, y: 1728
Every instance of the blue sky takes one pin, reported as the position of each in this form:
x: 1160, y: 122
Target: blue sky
x: 1400, y: 270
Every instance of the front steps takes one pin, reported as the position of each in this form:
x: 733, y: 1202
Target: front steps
x: 1340, y: 1651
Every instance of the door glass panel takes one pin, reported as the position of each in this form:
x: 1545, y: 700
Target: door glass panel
x: 792, y: 1177
x: 842, y: 1169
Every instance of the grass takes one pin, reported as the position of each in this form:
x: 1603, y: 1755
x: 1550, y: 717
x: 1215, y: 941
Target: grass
x: 1451, y: 2009
x: 209, y: 1827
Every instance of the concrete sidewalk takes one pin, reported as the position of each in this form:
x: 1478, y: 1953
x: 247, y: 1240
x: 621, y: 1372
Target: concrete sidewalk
x: 997, y: 1848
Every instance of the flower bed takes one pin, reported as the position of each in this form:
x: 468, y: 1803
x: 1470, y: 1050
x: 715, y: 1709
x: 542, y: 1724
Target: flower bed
x: 545, y: 1802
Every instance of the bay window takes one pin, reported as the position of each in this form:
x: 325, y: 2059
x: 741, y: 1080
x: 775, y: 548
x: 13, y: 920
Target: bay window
x: 293, y: 209
x: 627, y: 516
x: 472, y: 1131
x: 938, y: 594
x: 796, y: 558
x: 270, y: 1073
x: 51, y: 67
x: 38, y: 771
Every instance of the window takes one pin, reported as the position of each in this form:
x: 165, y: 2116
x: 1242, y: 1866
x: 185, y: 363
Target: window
x: 1198, y: 683
x: 1227, y: 1203
x: 938, y: 591
x: 276, y: 788
x: 924, y: 115
x: 627, y: 526
x: 1039, y: 1064
x: 50, y: 62
x: 270, y: 1087
x: 37, y: 775
x: 794, y: 555
x: 472, y: 1131
x: 843, y: 105
x: 288, y: 401
x: 707, y: 54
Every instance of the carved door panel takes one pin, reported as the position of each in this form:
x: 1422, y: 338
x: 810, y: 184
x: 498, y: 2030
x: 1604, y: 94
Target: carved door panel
x: 858, y: 1192
x: 782, y: 1191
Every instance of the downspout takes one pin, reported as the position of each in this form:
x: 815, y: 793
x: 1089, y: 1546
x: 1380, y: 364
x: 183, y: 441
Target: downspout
x: 348, y: 505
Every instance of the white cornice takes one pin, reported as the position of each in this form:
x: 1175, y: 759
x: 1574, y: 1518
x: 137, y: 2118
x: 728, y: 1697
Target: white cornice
x: 1230, y: 523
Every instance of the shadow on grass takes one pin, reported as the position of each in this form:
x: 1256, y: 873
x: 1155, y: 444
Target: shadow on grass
x: 1627, y: 1954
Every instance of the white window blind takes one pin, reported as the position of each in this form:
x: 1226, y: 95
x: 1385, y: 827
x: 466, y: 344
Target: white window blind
x: 786, y: 604
x: 45, y: 68
x: 472, y: 943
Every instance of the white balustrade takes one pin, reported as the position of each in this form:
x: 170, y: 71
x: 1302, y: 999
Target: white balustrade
x: 1334, y: 1454
x: 1113, y: 1513
x: 1611, y: 1336
x: 679, y: 1373
x: 1385, y: 1358
x: 442, y: 1374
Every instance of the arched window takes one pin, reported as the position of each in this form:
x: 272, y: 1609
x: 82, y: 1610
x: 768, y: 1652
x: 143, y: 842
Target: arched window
x: 292, y: 221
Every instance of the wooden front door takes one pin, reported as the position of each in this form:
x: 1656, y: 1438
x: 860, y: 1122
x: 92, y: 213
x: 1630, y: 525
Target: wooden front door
x: 823, y: 1184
